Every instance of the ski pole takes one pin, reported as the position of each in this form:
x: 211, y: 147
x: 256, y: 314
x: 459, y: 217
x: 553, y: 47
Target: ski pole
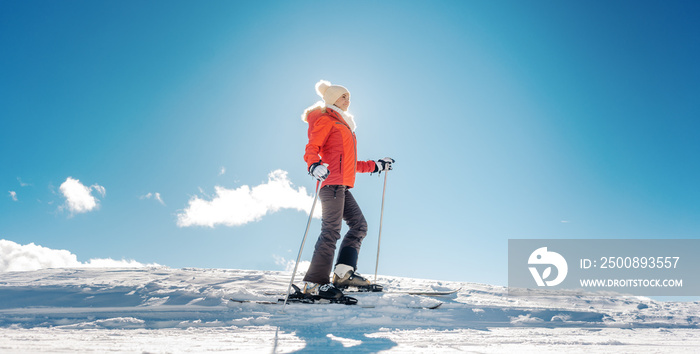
x: 311, y: 215
x: 381, y: 217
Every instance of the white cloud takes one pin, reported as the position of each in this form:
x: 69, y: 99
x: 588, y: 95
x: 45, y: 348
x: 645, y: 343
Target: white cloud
x: 13, y: 195
x: 16, y: 257
x: 289, y: 264
x: 22, y: 183
x: 234, y: 207
x: 155, y: 196
x: 79, y: 198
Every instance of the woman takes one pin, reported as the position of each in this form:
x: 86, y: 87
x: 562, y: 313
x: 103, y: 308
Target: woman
x: 331, y: 157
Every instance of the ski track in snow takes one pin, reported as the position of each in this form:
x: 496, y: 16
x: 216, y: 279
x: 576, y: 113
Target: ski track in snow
x: 161, y: 309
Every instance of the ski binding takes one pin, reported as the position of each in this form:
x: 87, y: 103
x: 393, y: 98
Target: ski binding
x: 300, y: 298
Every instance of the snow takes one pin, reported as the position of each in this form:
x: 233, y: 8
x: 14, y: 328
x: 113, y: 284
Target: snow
x: 160, y: 309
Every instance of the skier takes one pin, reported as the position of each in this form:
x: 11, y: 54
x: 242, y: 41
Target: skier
x: 331, y: 158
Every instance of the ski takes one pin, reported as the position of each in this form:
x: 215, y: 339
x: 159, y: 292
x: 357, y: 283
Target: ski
x: 372, y: 288
x: 405, y: 292
x: 425, y: 293
x: 326, y: 301
x: 432, y: 307
x: 346, y: 300
x: 261, y: 302
x: 300, y: 298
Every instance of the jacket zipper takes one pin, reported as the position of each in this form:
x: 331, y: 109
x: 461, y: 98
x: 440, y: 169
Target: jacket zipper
x: 354, y: 145
x: 341, y: 165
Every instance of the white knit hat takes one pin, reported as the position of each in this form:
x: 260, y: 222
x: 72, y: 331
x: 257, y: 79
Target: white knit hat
x: 330, y: 93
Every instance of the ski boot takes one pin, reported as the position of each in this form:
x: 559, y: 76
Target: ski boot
x: 344, y: 277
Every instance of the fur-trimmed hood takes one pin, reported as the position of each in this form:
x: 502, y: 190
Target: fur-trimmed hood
x: 349, y: 118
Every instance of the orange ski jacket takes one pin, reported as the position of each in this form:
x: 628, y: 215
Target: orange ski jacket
x: 332, y: 141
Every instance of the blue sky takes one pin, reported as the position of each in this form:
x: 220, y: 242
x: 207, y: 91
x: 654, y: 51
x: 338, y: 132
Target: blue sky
x: 507, y: 119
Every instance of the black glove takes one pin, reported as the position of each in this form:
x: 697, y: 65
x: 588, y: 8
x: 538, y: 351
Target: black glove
x: 384, y: 164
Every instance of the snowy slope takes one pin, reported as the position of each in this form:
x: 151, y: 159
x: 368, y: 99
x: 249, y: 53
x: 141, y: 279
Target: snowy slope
x: 187, y: 310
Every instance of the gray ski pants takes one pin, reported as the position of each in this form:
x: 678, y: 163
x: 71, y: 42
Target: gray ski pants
x: 338, y: 204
